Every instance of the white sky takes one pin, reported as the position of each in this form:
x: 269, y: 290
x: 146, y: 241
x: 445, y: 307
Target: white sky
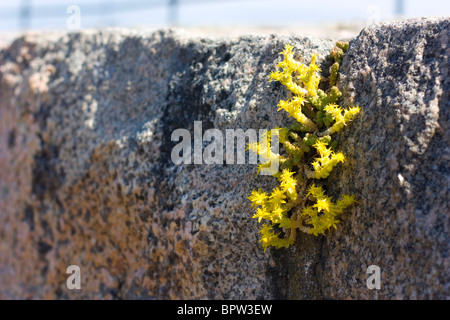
x: 46, y: 14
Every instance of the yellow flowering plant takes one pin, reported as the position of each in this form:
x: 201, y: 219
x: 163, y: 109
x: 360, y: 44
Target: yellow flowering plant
x: 298, y: 203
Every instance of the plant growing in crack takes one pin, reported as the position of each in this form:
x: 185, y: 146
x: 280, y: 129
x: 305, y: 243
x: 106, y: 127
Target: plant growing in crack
x: 299, y: 203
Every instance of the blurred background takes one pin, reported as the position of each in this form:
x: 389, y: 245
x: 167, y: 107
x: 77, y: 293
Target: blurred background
x: 321, y: 18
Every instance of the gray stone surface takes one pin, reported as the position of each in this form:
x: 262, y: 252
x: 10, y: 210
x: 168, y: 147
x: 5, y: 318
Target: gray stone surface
x: 87, y: 179
x: 85, y: 142
x: 399, y: 167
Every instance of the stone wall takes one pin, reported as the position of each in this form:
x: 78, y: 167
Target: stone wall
x: 87, y: 179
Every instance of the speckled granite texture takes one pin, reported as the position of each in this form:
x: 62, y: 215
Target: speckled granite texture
x: 86, y: 176
x: 398, y: 168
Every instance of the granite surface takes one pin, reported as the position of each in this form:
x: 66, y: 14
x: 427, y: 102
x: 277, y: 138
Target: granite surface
x: 86, y: 176
x: 399, y: 169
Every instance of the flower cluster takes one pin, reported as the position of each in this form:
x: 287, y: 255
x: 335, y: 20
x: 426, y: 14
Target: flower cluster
x: 323, y: 214
x: 298, y: 203
x: 327, y: 160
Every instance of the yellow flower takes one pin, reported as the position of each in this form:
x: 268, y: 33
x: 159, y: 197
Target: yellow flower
x: 323, y: 204
x: 258, y: 198
x: 341, y: 120
x: 261, y: 213
x: 288, y: 183
x: 277, y: 197
x: 276, y: 215
x: 294, y: 108
x: 313, y: 109
x: 321, y: 147
x: 317, y: 192
x: 268, y: 237
x: 327, y: 161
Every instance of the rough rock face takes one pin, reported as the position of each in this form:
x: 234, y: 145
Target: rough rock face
x: 87, y: 179
x: 399, y: 169
x: 87, y: 176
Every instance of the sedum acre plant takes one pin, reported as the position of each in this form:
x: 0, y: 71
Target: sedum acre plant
x: 299, y: 203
